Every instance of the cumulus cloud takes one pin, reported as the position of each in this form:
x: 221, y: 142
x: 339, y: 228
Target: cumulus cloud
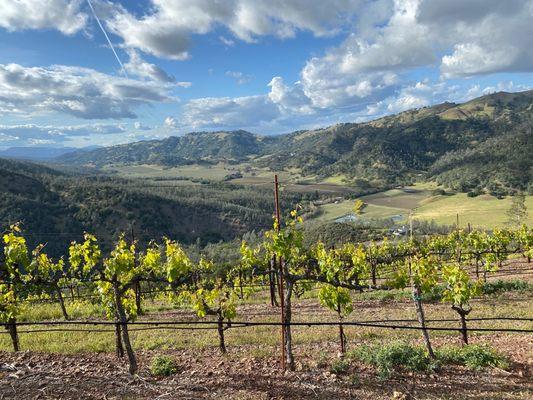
x: 142, y: 69
x: 229, y: 112
x: 31, y: 134
x: 480, y: 36
x: 140, y: 126
x: 80, y: 92
x: 166, y: 30
x: 63, y: 15
x: 289, y: 99
x: 374, y: 70
x: 170, y: 122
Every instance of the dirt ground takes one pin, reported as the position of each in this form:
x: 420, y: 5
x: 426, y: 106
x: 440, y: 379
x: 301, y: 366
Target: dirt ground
x: 205, y: 374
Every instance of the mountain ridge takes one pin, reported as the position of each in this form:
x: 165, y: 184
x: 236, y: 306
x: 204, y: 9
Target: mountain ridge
x: 387, y: 151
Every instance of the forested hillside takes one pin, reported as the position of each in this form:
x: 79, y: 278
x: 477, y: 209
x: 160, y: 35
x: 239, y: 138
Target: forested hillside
x: 56, y: 207
x: 482, y: 146
x: 194, y: 147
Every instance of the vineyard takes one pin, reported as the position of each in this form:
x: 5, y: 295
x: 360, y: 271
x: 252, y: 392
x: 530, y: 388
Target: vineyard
x: 122, y: 287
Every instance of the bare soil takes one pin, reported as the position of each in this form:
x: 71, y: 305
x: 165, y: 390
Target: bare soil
x: 205, y: 374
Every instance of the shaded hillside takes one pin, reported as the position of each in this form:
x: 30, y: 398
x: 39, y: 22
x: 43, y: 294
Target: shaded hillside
x: 496, y: 165
x: 57, y: 208
x: 393, y: 149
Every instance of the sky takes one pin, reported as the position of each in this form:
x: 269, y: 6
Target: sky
x: 99, y: 72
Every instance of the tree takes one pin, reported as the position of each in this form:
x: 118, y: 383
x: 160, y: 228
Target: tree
x: 51, y: 275
x: 15, y: 285
x: 337, y: 299
x: 215, y: 296
x: 286, y: 244
x: 517, y: 214
x: 459, y: 290
x: 358, y: 206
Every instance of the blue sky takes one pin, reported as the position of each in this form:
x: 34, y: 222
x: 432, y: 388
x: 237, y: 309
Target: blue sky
x: 268, y: 67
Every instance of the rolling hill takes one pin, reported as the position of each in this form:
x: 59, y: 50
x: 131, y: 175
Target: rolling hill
x: 57, y: 207
x: 483, y: 145
x: 194, y: 147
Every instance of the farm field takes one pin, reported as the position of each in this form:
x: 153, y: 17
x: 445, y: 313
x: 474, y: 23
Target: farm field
x: 483, y: 211
x: 250, y: 369
x: 289, y: 180
x: 480, y: 211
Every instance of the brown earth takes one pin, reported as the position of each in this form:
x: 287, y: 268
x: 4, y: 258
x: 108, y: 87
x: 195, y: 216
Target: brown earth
x: 205, y: 374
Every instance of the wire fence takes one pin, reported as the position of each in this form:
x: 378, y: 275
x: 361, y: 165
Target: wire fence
x: 212, y: 325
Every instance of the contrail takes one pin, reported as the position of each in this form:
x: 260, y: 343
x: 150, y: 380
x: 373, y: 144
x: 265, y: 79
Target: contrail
x: 108, y: 40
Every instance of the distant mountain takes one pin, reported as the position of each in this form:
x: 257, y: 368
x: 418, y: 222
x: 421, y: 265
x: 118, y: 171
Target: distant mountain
x: 191, y: 148
x: 489, y: 140
x: 40, y: 153
x: 482, y: 145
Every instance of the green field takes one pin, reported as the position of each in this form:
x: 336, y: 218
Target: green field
x: 482, y: 211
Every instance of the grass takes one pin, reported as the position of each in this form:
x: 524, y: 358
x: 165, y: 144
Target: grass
x: 333, y: 211
x: 482, y: 211
x: 387, y: 358
x: 474, y: 357
x: 264, y: 339
x: 211, y: 172
x: 163, y: 366
x: 501, y: 286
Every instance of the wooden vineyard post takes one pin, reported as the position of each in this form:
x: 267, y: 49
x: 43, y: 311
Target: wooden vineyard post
x: 280, y: 261
x: 137, y: 286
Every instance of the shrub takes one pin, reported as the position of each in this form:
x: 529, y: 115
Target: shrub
x: 388, y: 357
x: 163, y: 366
x: 473, y: 357
x: 505, y: 286
x: 339, y: 366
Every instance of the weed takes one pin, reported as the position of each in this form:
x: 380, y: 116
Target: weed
x: 501, y: 286
x: 474, y: 357
x: 388, y: 357
x: 339, y: 366
x: 163, y: 366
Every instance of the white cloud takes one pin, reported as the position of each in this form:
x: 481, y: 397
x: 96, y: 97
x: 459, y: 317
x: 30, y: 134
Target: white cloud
x: 81, y: 92
x: 142, y: 69
x: 480, y: 36
x: 226, y: 112
x: 166, y: 30
x: 63, y: 15
x: 240, y: 77
x: 31, y: 134
x: 290, y: 99
x: 226, y: 41
x: 170, y: 122
x: 140, y: 126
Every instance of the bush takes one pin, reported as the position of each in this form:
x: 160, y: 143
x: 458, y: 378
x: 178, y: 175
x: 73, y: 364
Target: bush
x: 163, y: 366
x: 505, y: 286
x: 389, y: 357
x: 339, y: 366
x: 473, y: 357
